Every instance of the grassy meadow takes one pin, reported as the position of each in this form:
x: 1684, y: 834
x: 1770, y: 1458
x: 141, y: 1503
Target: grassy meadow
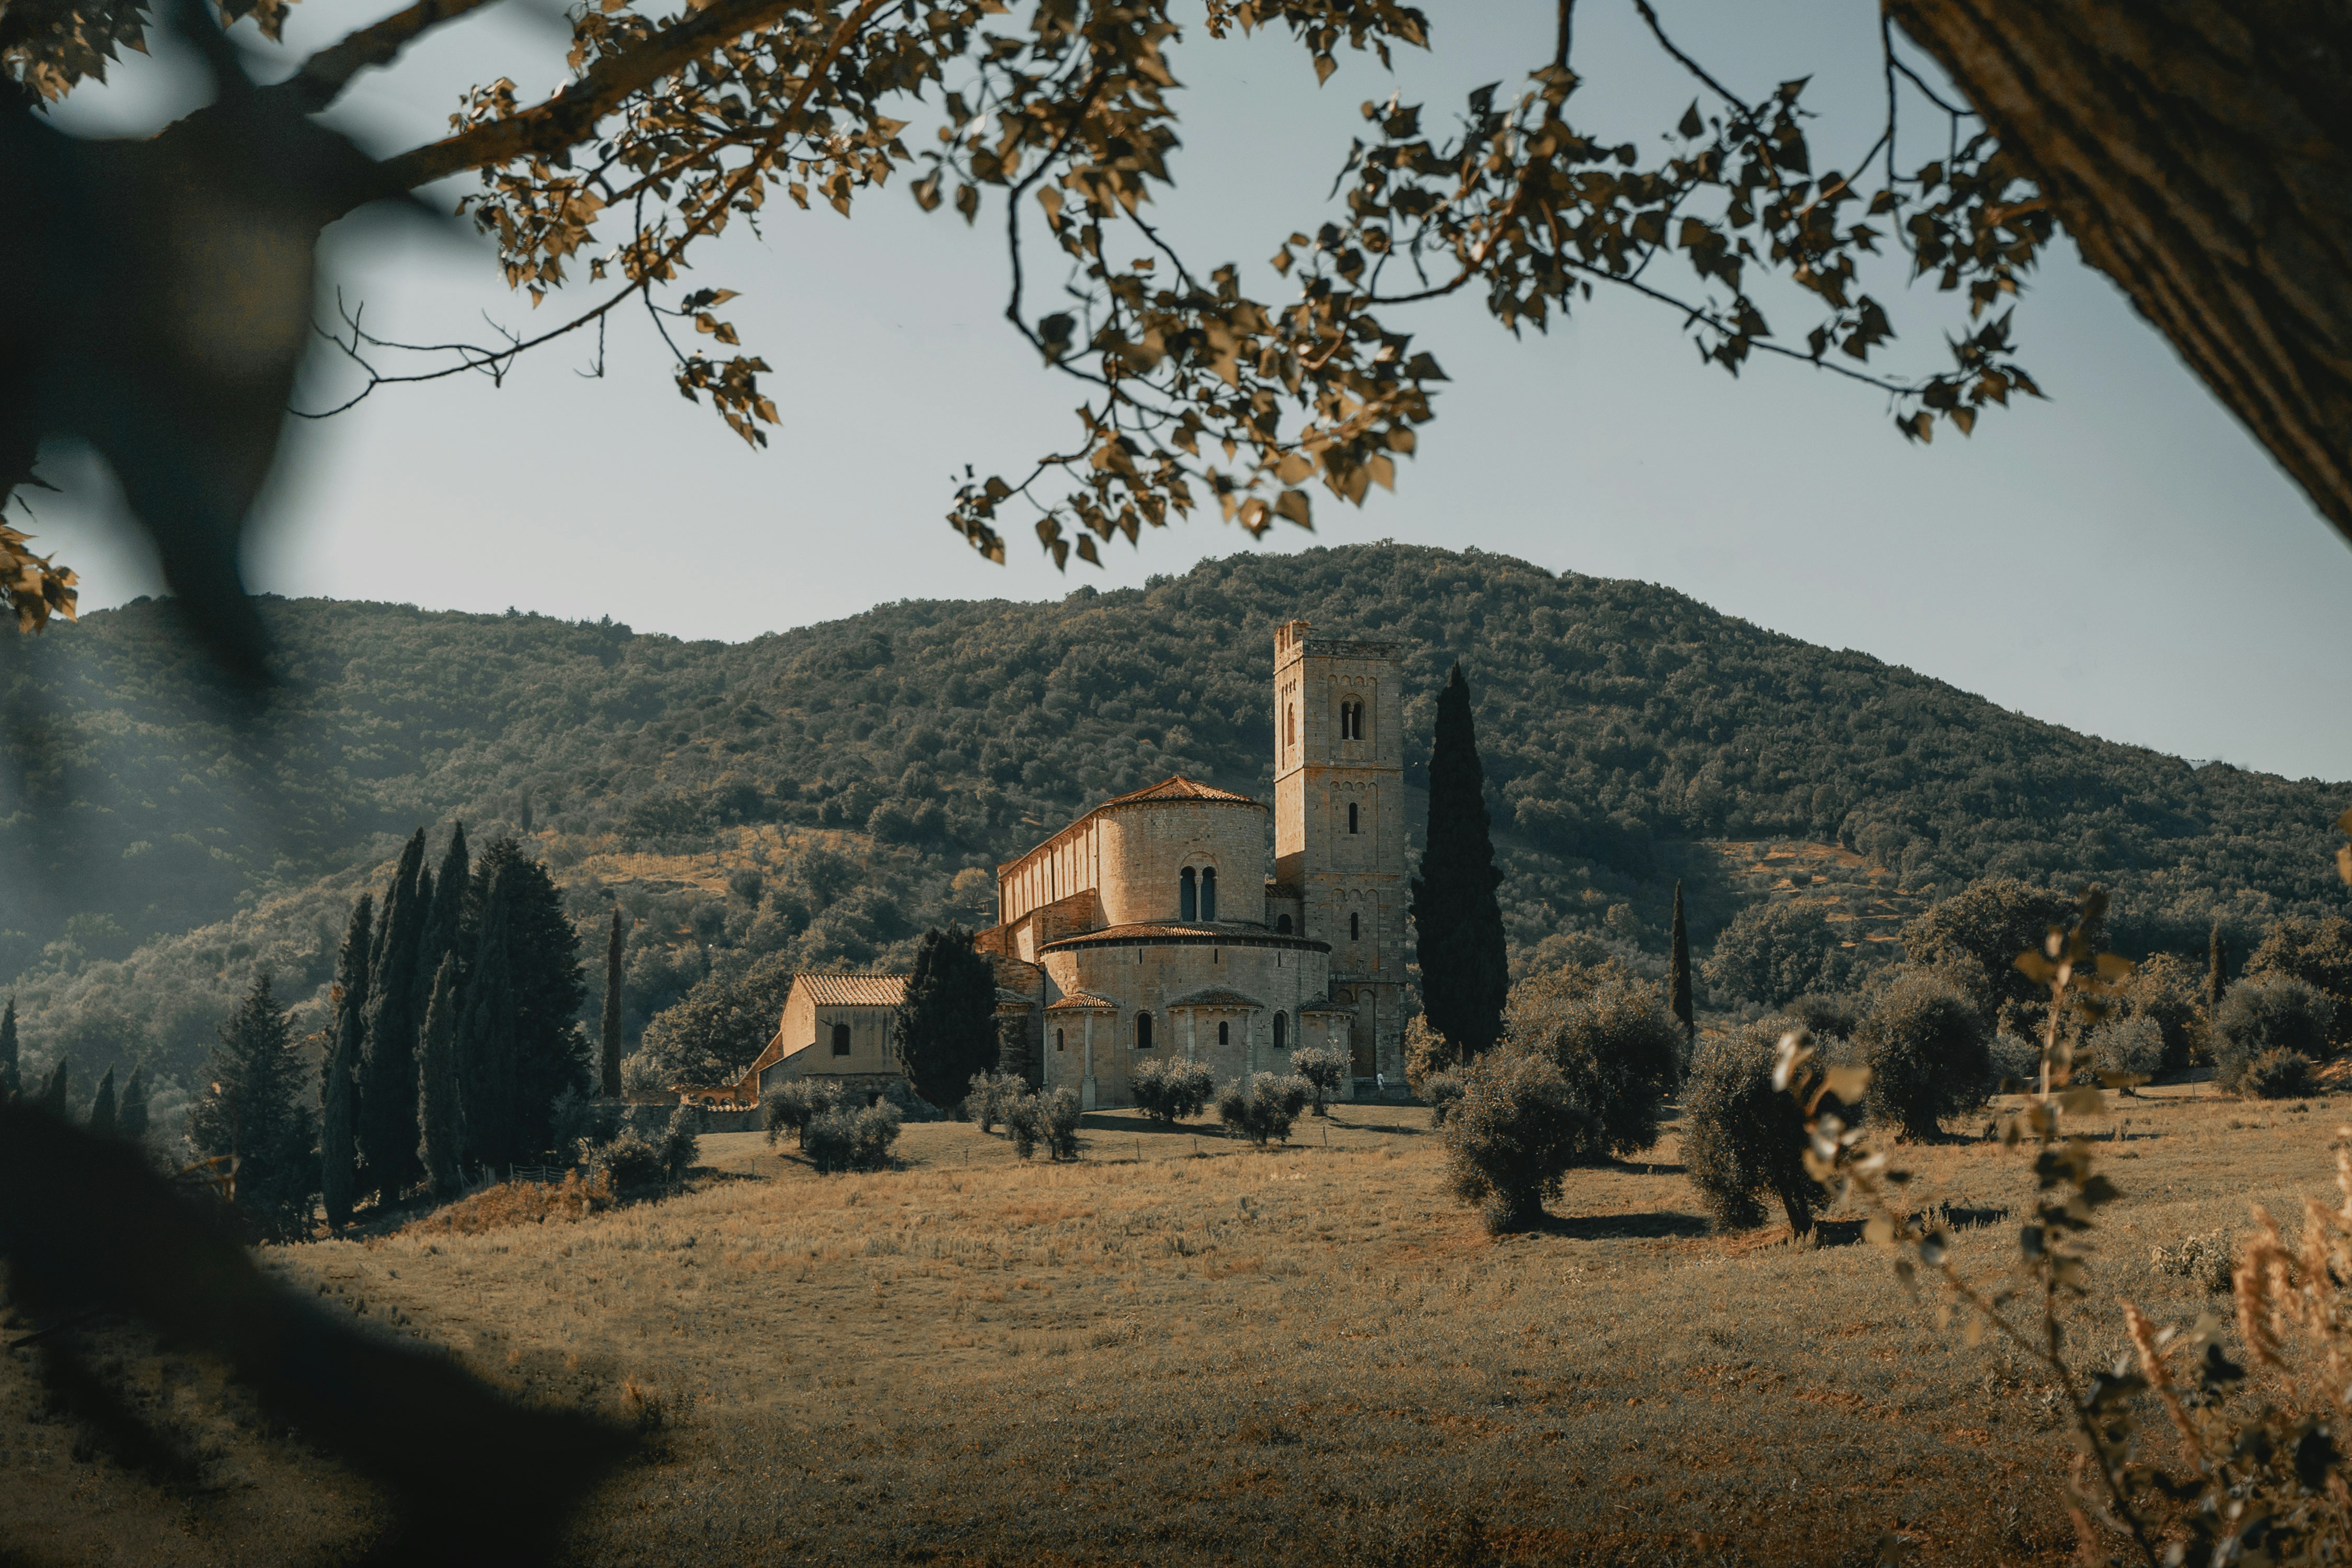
x: 1177, y: 1349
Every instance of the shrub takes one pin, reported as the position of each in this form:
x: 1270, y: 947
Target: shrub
x: 679, y: 1141
x: 1024, y: 1124
x: 2319, y: 953
x: 1826, y: 1017
x: 1515, y: 1131
x: 2205, y: 1259
x: 2274, y: 1013
x: 1621, y: 1055
x: 992, y: 1095
x: 2276, y: 1075
x: 1923, y: 1042
x: 630, y: 1162
x: 518, y: 1203
x: 792, y: 1105
x: 1324, y: 1067
x: 1263, y: 1107
x: 2013, y: 1065
x: 1057, y: 1112
x: 2169, y: 991
x: 2132, y: 1045
x: 1427, y: 1054
x: 845, y: 1140
x: 1443, y: 1092
x: 1776, y: 952
x: 1744, y: 1138
x: 1170, y: 1091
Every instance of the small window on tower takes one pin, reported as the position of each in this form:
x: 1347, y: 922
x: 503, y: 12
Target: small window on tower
x: 1058, y: 1039
x: 1355, y: 926
x: 1143, y: 1031
x: 1208, y: 892
x: 1351, y: 817
x: 1187, y: 902
x: 1225, y: 1035
x: 1282, y: 924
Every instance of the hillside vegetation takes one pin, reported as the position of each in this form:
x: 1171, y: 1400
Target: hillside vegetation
x: 818, y: 792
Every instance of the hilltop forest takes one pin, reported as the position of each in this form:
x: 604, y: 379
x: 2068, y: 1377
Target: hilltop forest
x: 818, y: 797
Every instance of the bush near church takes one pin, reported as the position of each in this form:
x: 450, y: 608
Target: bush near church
x: 1171, y: 1090
x: 2275, y: 1020
x: 1744, y: 1140
x: 1924, y: 1040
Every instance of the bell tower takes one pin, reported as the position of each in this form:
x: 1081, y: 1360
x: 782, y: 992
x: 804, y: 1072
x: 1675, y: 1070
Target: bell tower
x: 1339, y: 826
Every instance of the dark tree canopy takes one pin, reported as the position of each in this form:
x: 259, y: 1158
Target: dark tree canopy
x: 1776, y: 952
x: 1977, y: 933
x: 339, y: 1096
x: 945, y: 1030
x: 1457, y: 923
x: 2318, y: 953
x: 257, y: 1116
x: 387, y: 1130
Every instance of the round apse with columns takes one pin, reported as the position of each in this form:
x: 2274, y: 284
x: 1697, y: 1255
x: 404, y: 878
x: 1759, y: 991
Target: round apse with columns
x: 1194, y: 856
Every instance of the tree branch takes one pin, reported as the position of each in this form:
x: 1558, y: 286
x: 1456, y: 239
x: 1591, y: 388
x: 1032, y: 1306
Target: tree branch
x: 325, y: 74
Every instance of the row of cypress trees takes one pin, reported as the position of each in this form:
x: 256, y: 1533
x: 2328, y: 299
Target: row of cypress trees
x: 454, y: 1027
x: 112, y: 1115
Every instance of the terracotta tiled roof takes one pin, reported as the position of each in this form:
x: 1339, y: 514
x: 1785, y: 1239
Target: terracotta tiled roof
x: 1082, y: 1002
x: 1178, y: 787
x: 1327, y: 1008
x: 1236, y: 934
x: 1215, y: 997
x: 854, y: 989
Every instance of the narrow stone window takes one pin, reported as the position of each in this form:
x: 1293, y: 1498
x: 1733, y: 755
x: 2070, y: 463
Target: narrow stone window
x: 1143, y: 1031
x: 1351, y: 817
x: 1209, y: 893
x: 1282, y: 924
x: 841, y: 1039
x: 1187, y: 906
x: 1058, y: 1039
x: 1224, y: 1034
x: 1281, y: 1031
x: 1355, y: 926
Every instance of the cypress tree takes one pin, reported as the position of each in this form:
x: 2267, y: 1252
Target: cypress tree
x: 486, y: 1031
x: 387, y: 1129
x: 11, y: 1084
x: 2217, y: 973
x: 1679, y: 976
x: 53, y: 1098
x: 445, y: 916
x: 252, y: 1113
x: 439, y: 1104
x: 1458, y: 925
x: 102, y: 1110
x: 131, y: 1119
x: 945, y: 1029
x: 340, y: 1099
x: 611, y: 1085
x: 546, y: 1051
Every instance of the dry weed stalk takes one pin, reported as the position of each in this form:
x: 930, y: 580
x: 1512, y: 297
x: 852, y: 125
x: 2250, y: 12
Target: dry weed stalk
x: 2268, y: 1489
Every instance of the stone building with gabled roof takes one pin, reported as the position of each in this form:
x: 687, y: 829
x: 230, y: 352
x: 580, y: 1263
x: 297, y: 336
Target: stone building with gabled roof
x: 1150, y: 926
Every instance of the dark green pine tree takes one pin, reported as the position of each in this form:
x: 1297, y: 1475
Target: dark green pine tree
x: 2217, y: 973
x: 56, y: 1098
x: 10, y: 1082
x: 485, y: 1030
x: 131, y: 1119
x: 439, y: 1103
x: 101, y: 1109
x: 1678, y: 976
x: 387, y: 1130
x: 1456, y: 921
x: 253, y: 1113
x: 610, y: 1077
x: 945, y: 1029
x: 339, y: 1099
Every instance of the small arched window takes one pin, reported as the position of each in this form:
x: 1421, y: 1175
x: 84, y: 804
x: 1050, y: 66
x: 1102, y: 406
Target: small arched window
x: 1290, y: 725
x: 1224, y: 1034
x: 1187, y: 906
x: 1208, y: 892
x: 1355, y: 926
x: 1282, y: 924
x: 1351, y: 817
x: 1282, y: 1031
x: 1143, y: 1031
x: 841, y: 1039
x: 1058, y: 1039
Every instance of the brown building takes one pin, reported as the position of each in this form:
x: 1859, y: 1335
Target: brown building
x: 1150, y: 926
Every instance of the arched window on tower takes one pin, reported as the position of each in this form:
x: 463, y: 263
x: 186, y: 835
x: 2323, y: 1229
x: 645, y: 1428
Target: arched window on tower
x: 1208, y: 892
x: 1290, y: 724
x: 1058, y: 1039
x: 1143, y: 1031
x: 1355, y: 926
x: 1351, y: 817
x: 841, y: 1039
x: 1187, y: 905
x: 1282, y: 1031
x: 1224, y: 1033
x: 1282, y: 924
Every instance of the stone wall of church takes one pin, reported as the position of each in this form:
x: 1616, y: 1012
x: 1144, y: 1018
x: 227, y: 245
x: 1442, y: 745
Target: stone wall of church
x: 1143, y: 978
x: 1146, y: 848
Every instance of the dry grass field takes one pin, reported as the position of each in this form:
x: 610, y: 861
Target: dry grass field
x: 1178, y: 1350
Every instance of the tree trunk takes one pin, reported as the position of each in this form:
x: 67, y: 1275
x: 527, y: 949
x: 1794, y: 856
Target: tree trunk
x: 2200, y: 153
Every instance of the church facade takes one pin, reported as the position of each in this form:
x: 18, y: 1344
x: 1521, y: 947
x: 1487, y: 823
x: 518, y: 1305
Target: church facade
x: 1149, y: 927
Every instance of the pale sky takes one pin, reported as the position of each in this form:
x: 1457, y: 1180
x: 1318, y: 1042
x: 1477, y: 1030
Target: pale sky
x: 2122, y: 559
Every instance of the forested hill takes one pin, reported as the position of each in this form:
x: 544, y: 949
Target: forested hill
x: 1617, y: 721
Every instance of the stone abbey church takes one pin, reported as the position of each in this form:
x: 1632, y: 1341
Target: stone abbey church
x: 1148, y: 927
